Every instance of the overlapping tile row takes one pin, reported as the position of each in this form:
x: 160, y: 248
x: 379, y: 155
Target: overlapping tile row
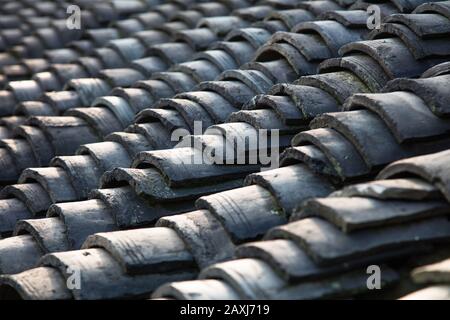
x: 60, y: 189
x: 93, y: 128
x: 358, y: 232
x: 122, y: 46
x: 173, y: 249
x: 51, y: 41
x: 30, y: 22
x: 164, y: 84
x: 23, y: 20
x: 396, y: 222
x: 54, y: 185
x: 19, y: 18
x: 434, y: 279
x: 73, y: 177
x: 49, y: 31
x: 155, y: 199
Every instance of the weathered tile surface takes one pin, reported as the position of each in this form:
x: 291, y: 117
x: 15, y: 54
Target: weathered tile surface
x: 92, y: 179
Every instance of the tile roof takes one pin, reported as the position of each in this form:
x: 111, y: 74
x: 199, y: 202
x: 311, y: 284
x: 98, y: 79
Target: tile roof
x: 402, y: 215
x: 363, y: 121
